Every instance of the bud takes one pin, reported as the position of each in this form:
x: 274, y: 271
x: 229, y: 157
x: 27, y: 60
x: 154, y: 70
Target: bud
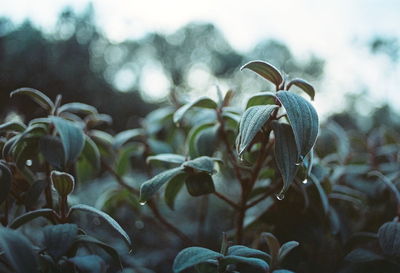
x: 64, y: 183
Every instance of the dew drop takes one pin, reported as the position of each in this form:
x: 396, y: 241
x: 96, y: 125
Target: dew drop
x: 142, y: 203
x: 28, y: 163
x: 297, y: 163
x: 305, y: 181
x: 280, y: 196
x: 241, y: 158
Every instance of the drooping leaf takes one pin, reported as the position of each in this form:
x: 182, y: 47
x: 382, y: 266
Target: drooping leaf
x: 261, y: 98
x: 321, y: 192
x: 273, y: 246
x: 77, y: 107
x: 128, y: 135
x: 64, y: 183
x: 246, y: 264
x: 71, y: 136
x: 89, y: 264
x: 244, y: 251
x: 18, y: 251
x: 150, y: 187
x: 251, y: 123
x: 285, y: 249
x: 389, y: 238
x: 59, y: 238
x: 52, y: 150
x: 303, y: 118
x: 285, y: 153
x: 172, y: 189
x: 192, y: 137
x: 31, y: 215
x: 201, y: 164
x: 199, y: 184
x: 40, y: 98
x: 361, y: 255
x: 5, y: 181
x: 265, y: 70
x: 91, y: 153
x: 15, y: 126
x: 168, y: 158
x: 192, y: 256
x: 202, y: 102
x: 303, y: 85
x: 107, y: 218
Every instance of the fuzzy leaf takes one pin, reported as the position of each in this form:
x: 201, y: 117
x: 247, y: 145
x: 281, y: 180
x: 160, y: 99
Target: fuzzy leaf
x: 246, y: 264
x: 265, y: 70
x: 64, y: 183
x: 125, y: 136
x: 244, y: 251
x: 168, y: 158
x: 203, y: 102
x: 261, y: 98
x: 59, y: 238
x: 201, y: 164
x: 77, y: 107
x: 40, y: 98
x: 361, y: 255
x: 389, y: 238
x: 89, y: 264
x: 192, y: 256
x: 52, y: 150
x: 172, y: 189
x: 273, y: 246
x: 91, y: 153
x: 303, y: 85
x: 251, y: 123
x: 29, y: 216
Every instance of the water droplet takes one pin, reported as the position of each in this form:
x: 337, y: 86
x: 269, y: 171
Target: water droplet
x: 28, y: 163
x: 280, y: 196
x: 241, y: 158
x: 297, y: 163
x: 130, y: 251
x: 142, y: 203
x: 305, y: 181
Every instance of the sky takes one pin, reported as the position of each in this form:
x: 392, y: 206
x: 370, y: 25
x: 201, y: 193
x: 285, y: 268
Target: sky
x: 336, y: 30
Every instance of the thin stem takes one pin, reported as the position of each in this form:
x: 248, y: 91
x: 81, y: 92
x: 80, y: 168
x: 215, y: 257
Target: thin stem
x: 203, y: 210
x: 227, y: 200
x: 262, y: 197
x: 48, y: 195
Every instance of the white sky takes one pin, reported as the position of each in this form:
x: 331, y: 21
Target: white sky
x: 336, y: 30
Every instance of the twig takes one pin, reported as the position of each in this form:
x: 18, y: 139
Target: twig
x: 227, y: 200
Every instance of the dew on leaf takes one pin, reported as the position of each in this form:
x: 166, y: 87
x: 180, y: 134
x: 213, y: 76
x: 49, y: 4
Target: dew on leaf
x: 280, y: 196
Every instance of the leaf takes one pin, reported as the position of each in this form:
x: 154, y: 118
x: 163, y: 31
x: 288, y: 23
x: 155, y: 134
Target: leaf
x: 29, y: 216
x: 261, y: 98
x: 125, y: 136
x: 168, y: 158
x: 265, y: 70
x: 94, y: 120
x: 201, y: 164
x: 244, y: 251
x: 64, y: 183
x: 52, y: 150
x: 361, y: 255
x: 282, y: 271
x: 71, y: 136
x: 78, y: 108
x: 389, y: 238
x: 15, y: 126
x: 203, y: 102
x: 107, y: 218
x: 251, y: 123
x: 172, y: 189
x: 123, y: 160
x: 18, y: 251
x: 321, y: 192
x: 207, y: 267
x: 192, y: 138
x: 150, y: 187
x: 59, y: 238
x: 303, y: 85
x: 285, y: 249
x: 40, y: 98
x: 303, y: 118
x: 7, y: 148
x: 192, y: 256
x: 89, y: 264
x: 91, y: 153
x: 5, y: 182
x: 199, y: 184
x: 285, y: 154
x: 246, y: 264
x: 34, y: 192
x: 273, y: 245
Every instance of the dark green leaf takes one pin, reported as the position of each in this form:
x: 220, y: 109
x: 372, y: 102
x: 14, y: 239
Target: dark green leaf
x: 285, y: 249
x: 36, y: 95
x: 389, y: 238
x: 199, y: 184
x: 107, y: 218
x: 192, y: 256
x: 122, y: 163
x: 18, y: 251
x: 5, y: 182
x: 77, y: 107
x: 172, y: 189
x: 71, y: 136
x: 7, y: 148
x: 94, y: 120
x: 207, y: 267
x: 64, y: 183
x: 244, y: 251
x: 321, y: 192
x: 128, y: 135
x: 303, y: 85
x: 159, y: 147
x: 261, y: 98
x: 91, y: 153
x: 203, y: 102
x: 168, y: 158
x: 361, y: 255
x: 15, y: 126
x: 52, y: 150
x: 201, y: 164
x: 246, y: 264
x: 150, y: 187
x: 273, y: 245
x: 29, y: 216
x: 303, y: 118
x: 206, y: 141
x: 265, y: 70
x: 252, y: 122
x: 59, y: 238
x: 89, y: 264
x: 285, y: 154
x: 192, y: 138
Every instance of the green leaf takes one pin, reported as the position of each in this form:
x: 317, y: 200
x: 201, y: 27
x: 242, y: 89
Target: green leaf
x: 150, y: 187
x: 192, y: 138
x: 252, y: 122
x: 89, y: 264
x: 128, y: 135
x: 91, y: 153
x: 52, y: 150
x: 15, y: 126
x: 361, y: 255
x: 246, y: 264
x: 94, y: 120
x: 192, y: 256
x: 285, y: 154
x: 273, y: 245
x: 5, y: 181
x: 168, y: 158
x: 206, y: 141
x: 321, y: 192
x: 303, y: 118
x: 261, y: 98
x: 203, y: 102
x: 40, y: 98
x: 122, y: 163
x: 265, y: 70
x: 172, y: 189
x: 244, y: 251
x: 285, y: 249
x: 7, y: 148
x: 201, y: 164
x: 29, y: 216
x: 389, y: 238
x: 18, y: 251
x: 71, y: 136
x: 303, y: 85
x: 107, y: 218
x: 64, y: 183
x: 78, y: 108
x: 59, y: 238
x: 207, y: 267
x: 199, y: 184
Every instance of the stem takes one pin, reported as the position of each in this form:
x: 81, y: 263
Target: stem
x: 49, y: 196
x: 203, y: 210
x: 262, y: 197
x: 227, y: 200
